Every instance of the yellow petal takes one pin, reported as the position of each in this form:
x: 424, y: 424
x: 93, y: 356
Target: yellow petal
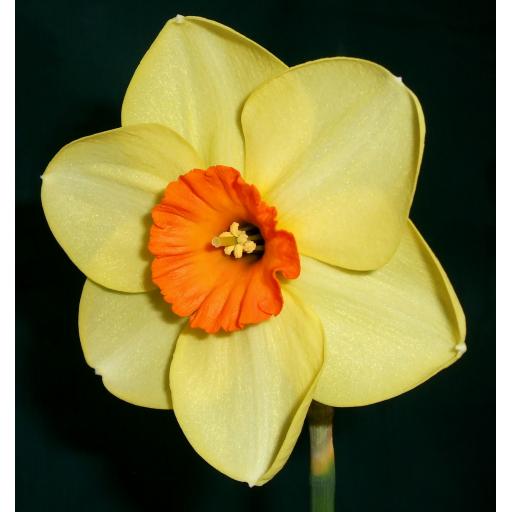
x: 98, y: 193
x: 241, y: 397
x: 128, y: 338
x: 336, y: 145
x: 194, y: 79
x: 386, y: 331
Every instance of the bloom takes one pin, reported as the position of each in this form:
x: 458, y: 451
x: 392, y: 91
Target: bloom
x: 335, y: 147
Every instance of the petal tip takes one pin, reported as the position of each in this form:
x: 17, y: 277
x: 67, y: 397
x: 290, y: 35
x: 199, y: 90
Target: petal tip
x: 179, y: 19
x: 461, y: 349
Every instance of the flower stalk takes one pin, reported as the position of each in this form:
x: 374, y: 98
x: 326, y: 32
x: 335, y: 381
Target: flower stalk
x: 322, y: 468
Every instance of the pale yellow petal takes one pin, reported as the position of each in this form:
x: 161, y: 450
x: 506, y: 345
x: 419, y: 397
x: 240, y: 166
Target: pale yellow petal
x: 98, y: 193
x: 336, y: 145
x: 194, y: 79
x: 386, y: 331
x: 241, y: 398
x: 129, y: 338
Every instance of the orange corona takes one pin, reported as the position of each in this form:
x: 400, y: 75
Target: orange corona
x: 218, y: 252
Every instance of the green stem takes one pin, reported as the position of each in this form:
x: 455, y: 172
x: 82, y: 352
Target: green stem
x: 322, y: 471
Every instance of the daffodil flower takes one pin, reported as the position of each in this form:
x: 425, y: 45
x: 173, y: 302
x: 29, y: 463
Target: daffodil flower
x: 268, y: 206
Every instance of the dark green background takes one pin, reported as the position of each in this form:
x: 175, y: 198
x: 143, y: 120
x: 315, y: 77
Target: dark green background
x: 80, y: 449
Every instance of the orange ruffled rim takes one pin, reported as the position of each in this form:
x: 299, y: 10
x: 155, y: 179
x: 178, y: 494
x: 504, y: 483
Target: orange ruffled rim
x: 201, y: 282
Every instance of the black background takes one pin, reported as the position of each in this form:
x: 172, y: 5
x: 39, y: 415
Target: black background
x: 78, y: 448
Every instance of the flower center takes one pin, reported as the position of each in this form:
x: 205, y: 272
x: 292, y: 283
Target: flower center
x: 240, y: 240
x: 233, y: 279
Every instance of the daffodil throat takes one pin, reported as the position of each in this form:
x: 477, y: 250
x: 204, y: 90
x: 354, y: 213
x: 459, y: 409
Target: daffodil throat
x: 239, y: 240
x: 231, y: 280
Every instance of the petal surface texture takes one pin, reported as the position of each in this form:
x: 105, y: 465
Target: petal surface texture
x: 194, y: 79
x: 215, y: 290
x: 336, y: 145
x: 97, y: 196
x: 386, y: 331
x: 129, y: 338
x: 241, y: 398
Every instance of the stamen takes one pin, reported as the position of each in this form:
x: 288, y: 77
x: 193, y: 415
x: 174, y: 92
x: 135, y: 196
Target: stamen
x: 242, y: 237
x: 239, y: 251
x: 249, y: 247
x: 237, y: 242
x: 234, y: 228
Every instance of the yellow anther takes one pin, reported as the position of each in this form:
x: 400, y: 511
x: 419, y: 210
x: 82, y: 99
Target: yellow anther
x: 249, y: 247
x: 242, y: 237
x: 234, y: 228
x: 239, y: 251
x: 236, y: 241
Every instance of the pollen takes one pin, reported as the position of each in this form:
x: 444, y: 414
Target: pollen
x: 238, y: 241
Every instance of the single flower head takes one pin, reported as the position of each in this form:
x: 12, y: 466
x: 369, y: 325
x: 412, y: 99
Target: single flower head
x: 246, y: 242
